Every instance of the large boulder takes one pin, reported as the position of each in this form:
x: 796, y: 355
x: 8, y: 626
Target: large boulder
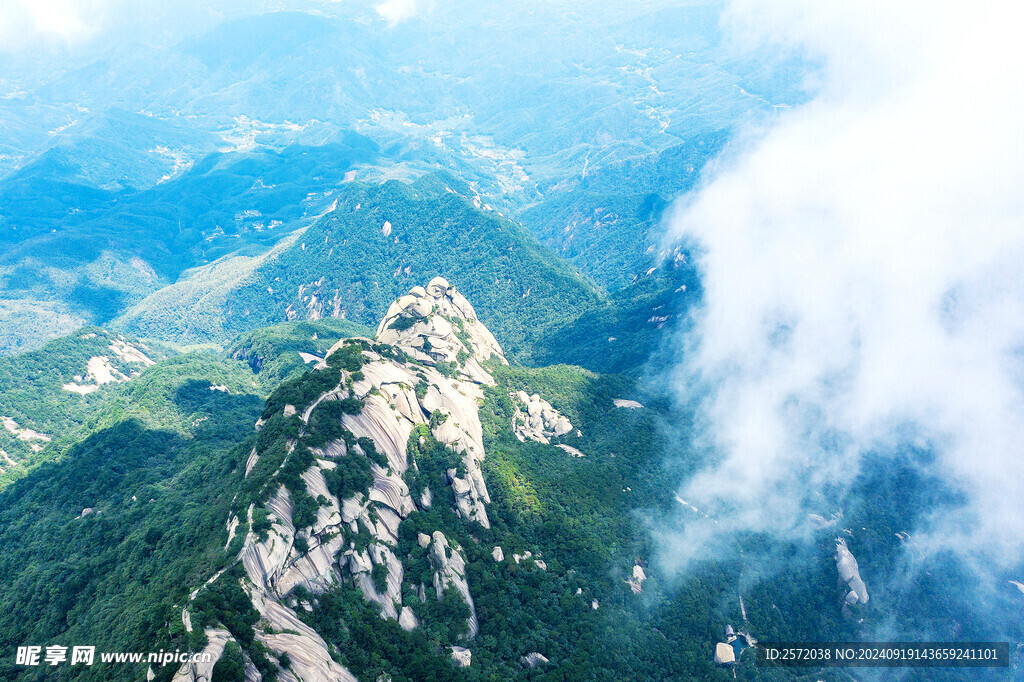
x: 849, y: 576
x: 533, y: 659
x: 462, y: 656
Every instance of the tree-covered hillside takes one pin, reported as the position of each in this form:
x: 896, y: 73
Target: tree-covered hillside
x: 49, y: 396
x: 105, y: 542
x: 52, y: 397
x: 72, y: 254
x: 157, y: 475
x: 626, y: 332
x: 378, y: 241
x: 609, y: 222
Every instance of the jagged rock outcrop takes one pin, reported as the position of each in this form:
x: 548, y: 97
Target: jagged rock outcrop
x: 450, y: 571
x: 849, y: 576
x: 636, y: 580
x: 421, y: 377
x: 540, y: 422
x: 436, y: 324
x: 533, y: 659
x: 462, y: 656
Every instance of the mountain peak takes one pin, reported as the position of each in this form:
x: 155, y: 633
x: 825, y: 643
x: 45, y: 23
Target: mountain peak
x: 437, y: 325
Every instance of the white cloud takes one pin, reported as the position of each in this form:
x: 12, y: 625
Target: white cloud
x: 25, y: 23
x: 863, y: 269
x: 395, y: 11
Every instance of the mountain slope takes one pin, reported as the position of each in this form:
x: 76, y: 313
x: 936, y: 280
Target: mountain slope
x: 608, y: 221
x: 368, y: 494
x: 72, y: 254
x: 377, y: 242
x: 125, y: 520
x: 411, y: 506
x: 333, y: 487
x: 624, y: 333
x: 48, y: 396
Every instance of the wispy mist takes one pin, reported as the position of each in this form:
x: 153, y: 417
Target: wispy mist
x: 863, y: 267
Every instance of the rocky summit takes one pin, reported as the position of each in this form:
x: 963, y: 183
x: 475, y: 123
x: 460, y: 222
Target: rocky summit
x: 391, y: 423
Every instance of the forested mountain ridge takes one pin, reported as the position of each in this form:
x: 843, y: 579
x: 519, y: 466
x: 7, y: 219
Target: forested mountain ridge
x: 376, y: 241
x: 516, y: 477
x: 53, y: 397
x: 73, y: 254
x: 409, y: 506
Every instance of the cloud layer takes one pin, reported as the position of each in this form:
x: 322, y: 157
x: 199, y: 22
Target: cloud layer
x: 27, y: 23
x: 863, y: 264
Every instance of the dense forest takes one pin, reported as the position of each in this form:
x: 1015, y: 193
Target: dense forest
x: 163, y: 466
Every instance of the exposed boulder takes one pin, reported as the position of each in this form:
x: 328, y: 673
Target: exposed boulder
x: 537, y: 420
x: 533, y: 659
x: 498, y: 555
x: 636, y: 580
x: 407, y: 620
x: 724, y: 654
x: 573, y: 452
x: 849, y: 576
x: 462, y: 656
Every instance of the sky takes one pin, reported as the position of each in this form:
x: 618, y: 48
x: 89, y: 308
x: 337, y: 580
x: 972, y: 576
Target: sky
x: 862, y: 262
x: 27, y: 25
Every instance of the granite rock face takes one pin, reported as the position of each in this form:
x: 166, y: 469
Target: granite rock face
x: 462, y: 656
x: 533, y: 659
x: 419, y: 381
x: 450, y: 572
x: 535, y: 419
x: 849, y: 576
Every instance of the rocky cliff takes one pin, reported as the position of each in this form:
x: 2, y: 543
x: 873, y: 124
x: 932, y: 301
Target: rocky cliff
x: 379, y: 429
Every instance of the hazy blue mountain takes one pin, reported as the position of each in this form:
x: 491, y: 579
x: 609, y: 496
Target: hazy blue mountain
x: 78, y: 253
x: 578, y: 125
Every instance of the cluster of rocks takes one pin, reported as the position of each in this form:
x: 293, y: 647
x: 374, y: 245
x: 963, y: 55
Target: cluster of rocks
x: 540, y: 421
x: 100, y: 371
